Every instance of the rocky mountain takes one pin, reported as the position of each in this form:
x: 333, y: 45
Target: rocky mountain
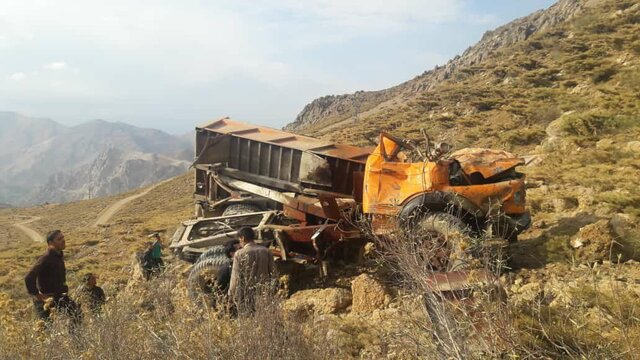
x: 577, y: 55
x: 46, y: 162
x: 112, y: 171
x: 18, y: 132
x: 342, y: 107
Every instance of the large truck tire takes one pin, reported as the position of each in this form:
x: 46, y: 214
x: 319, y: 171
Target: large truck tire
x: 202, y: 278
x: 215, y: 251
x: 239, y: 209
x: 445, y: 240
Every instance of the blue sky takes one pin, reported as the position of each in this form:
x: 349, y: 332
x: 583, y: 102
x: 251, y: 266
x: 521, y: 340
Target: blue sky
x: 173, y: 65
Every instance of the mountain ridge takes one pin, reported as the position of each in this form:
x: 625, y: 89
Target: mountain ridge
x: 47, y: 166
x: 517, y: 78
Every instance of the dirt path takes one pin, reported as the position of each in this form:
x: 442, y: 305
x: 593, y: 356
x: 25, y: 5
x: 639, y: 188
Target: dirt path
x: 32, y: 234
x: 106, y: 214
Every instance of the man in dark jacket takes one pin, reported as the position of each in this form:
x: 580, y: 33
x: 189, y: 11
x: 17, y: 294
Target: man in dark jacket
x: 92, y: 294
x: 47, y: 280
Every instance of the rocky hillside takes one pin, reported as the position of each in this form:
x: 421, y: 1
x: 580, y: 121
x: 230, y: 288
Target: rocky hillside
x: 578, y: 55
x: 43, y: 161
x: 562, y: 84
x: 113, y: 171
x: 332, y: 109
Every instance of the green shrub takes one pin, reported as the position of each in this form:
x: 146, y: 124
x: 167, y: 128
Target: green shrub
x: 594, y: 124
x: 603, y: 74
x: 486, y: 104
x: 601, y: 28
x: 544, y: 114
x: 525, y: 136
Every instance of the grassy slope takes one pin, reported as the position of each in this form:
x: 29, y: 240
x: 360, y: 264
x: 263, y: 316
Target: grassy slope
x: 105, y: 250
x: 589, y: 66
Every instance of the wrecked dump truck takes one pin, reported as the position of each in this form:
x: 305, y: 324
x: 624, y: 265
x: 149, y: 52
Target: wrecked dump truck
x: 303, y: 196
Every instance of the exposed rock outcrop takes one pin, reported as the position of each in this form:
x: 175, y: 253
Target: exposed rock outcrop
x: 113, y: 171
x: 368, y: 294
x: 317, y: 301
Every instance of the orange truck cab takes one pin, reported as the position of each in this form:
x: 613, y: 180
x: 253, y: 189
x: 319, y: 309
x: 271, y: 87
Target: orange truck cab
x: 480, y: 186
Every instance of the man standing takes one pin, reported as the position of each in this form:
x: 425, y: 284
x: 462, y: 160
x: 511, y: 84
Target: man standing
x: 47, y: 279
x: 223, y: 276
x: 92, y: 293
x: 252, y: 270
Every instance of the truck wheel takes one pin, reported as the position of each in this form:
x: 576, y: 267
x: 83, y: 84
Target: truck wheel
x: 444, y: 241
x: 239, y: 209
x: 202, y: 278
x: 215, y: 251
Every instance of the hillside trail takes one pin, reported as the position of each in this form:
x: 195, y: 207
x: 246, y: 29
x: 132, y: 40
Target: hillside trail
x: 105, y: 216
x: 32, y: 234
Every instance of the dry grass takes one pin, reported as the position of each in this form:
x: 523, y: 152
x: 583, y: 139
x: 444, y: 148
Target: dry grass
x: 157, y: 320
x: 105, y: 250
x: 596, y: 318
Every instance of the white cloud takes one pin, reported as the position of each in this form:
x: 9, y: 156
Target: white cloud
x: 359, y: 17
x: 57, y: 65
x: 19, y: 76
x: 157, y: 56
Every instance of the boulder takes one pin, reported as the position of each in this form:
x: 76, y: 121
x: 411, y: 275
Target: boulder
x: 318, y: 302
x: 560, y: 204
x: 627, y: 232
x: 368, y: 294
x: 595, y: 243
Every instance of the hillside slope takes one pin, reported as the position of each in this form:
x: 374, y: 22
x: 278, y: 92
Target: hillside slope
x: 564, y: 84
x: 578, y: 55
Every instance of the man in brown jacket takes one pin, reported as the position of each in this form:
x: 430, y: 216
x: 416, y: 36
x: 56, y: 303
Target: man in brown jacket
x: 47, y: 280
x: 252, y: 271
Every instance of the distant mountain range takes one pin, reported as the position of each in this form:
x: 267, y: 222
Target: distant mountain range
x: 44, y: 161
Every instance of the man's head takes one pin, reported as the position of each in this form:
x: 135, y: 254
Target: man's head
x: 155, y: 236
x: 90, y: 279
x: 246, y: 235
x: 55, y: 240
x: 230, y: 248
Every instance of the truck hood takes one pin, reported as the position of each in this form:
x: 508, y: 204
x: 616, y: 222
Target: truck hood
x: 487, y: 162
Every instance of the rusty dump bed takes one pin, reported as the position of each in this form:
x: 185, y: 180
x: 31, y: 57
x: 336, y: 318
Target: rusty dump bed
x: 277, y: 159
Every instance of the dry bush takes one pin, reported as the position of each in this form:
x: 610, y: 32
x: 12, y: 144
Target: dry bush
x: 455, y: 324
x: 156, y: 319
x: 480, y: 322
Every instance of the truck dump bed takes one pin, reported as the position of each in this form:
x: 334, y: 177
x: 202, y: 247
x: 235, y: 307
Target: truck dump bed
x: 276, y: 159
